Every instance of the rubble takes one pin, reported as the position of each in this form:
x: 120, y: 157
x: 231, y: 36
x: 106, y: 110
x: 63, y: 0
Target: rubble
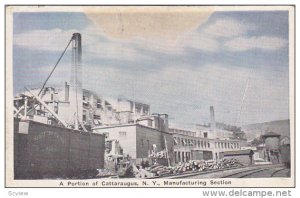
x: 184, y: 167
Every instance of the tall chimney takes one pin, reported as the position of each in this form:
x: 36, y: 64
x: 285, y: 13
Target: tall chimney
x: 212, y: 117
x: 167, y: 122
x: 76, y: 81
x: 66, y: 92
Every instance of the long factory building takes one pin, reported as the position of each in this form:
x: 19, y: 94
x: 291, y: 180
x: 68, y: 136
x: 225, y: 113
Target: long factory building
x: 137, y: 130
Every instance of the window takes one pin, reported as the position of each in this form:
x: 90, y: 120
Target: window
x: 99, y: 106
x: 191, y: 143
x: 185, y: 142
x: 97, y: 117
x: 97, y: 122
x: 142, y: 142
x: 205, y: 134
x: 84, y: 116
x: 175, y: 141
x: 122, y: 133
x: 56, y: 109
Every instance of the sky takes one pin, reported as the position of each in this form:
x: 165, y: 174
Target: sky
x: 180, y: 63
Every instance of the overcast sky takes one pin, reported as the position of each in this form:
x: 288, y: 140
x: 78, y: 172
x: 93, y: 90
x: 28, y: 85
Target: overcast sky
x: 180, y: 63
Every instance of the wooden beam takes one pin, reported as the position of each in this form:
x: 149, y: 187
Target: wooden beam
x: 48, y: 108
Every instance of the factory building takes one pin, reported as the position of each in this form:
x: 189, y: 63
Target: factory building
x: 95, y: 110
x: 137, y: 131
x: 100, y: 111
x: 141, y: 139
x: 190, y: 146
x: 272, y: 147
x: 208, y: 141
x: 48, y: 137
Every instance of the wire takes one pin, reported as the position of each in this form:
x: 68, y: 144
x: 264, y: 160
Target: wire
x: 44, y: 84
x: 55, y: 66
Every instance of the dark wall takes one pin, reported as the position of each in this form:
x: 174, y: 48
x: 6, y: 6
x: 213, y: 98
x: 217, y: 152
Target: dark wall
x: 285, y: 153
x: 207, y: 155
x: 48, y: 151
x: 244, y: 159
x: 153, y: 136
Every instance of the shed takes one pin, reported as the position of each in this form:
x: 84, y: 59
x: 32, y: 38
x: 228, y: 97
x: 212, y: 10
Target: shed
x: 243, y: 156
x: 272, y: 143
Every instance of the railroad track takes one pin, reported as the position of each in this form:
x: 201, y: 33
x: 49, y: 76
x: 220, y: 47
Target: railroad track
x: 244, y: 173
x: 239, y: 172
x: 276, y: 173
x: 257, y: 173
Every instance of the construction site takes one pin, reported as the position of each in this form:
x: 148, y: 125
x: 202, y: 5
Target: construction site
x: 67, y: 131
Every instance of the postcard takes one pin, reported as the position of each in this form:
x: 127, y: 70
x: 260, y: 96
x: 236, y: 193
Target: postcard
x: 150, y: 96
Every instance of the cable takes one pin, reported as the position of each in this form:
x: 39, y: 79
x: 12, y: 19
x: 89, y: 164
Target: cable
x: 44, y: 84
x: 55, y: 66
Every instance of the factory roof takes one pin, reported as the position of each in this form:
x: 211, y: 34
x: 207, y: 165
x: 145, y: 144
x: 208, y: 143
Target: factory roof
x: 270, y: 134
x: 238, y: 152
x: 127, y: 125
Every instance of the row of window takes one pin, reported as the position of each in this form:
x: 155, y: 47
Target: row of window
x: 227, y: 145
x: 85, y: 102
x: 204, y: 144
x: 190, y: 142
x: 95, y: 117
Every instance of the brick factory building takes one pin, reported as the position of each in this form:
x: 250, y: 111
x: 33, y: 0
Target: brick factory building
x: 189, y: 145
x: 140, y: 139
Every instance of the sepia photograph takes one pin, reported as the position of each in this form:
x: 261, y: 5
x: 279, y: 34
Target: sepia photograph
x: 150, y: 96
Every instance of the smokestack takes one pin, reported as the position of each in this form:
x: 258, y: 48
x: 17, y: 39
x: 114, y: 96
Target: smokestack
x: 66, y: 92
x: 76, y: 80
x: 166, y: 122
x: 212, y: 117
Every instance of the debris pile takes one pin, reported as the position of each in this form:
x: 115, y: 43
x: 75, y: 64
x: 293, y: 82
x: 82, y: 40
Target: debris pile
x: 201, y: 165
x: 184, y: 167
x: 104, y: 173
x: 160, y: 170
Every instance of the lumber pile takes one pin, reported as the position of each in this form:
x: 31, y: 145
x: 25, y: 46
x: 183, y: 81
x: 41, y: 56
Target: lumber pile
x: 185, y: 167
x: 105, y: 173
